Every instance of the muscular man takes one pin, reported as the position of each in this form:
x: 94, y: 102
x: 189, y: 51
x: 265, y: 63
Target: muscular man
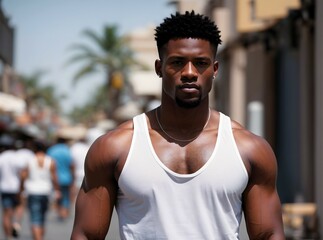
x: 182, y: 170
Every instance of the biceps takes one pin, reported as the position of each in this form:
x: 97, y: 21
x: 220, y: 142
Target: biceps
x: 93, y: 212
x: 262, y: 210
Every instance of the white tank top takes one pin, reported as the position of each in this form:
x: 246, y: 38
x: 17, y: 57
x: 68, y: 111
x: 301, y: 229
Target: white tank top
x: 39, y: 180
x: 10, y: 167
x: 156, y: 203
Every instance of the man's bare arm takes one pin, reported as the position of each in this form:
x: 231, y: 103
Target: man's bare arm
x: 261, y: 203
x: 97, y: 196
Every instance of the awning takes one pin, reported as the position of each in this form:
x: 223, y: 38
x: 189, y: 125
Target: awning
x: 72, y: 132
x: 11, y: 103
x: 127, y: 111
x: 146, y: 83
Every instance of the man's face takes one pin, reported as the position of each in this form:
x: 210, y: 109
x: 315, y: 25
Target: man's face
x: 187, y: 67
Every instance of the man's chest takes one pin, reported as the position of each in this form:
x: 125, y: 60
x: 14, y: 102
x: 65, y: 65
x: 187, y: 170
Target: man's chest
x: 184, y: 160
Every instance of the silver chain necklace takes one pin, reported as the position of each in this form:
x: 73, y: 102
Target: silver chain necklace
x: 176, y: 139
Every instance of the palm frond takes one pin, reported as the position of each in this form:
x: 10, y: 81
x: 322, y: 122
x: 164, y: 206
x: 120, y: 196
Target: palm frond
x: 94, y: 37
x: 80, y: 47
x: 112, y: 54
x: 87, y: 69
x: 80, y: 57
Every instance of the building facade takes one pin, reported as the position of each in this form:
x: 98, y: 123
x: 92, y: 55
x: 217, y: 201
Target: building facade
x: 270, y: 80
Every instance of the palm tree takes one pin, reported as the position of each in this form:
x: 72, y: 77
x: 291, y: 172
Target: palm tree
x: 87, y: 113
x: 113, y: 57
x: 37, y: 95
x: 39, y: 98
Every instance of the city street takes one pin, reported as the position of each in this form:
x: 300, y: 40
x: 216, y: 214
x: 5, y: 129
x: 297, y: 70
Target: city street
x: 58, y: 230
x: 61, y: 230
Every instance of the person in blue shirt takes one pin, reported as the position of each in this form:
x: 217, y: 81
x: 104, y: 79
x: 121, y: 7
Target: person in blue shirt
x: 61, y: 153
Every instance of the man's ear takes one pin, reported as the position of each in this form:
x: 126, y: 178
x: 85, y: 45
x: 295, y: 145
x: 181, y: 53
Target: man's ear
x: 215, y: 68
x: 158, y: 68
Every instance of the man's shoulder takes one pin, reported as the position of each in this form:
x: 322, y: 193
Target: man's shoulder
x: 24, y: 152
x: 251, y: 146
x: 243, y: 134
x: 8, y: 153
x: 122, y: 132
x: 114, y: 140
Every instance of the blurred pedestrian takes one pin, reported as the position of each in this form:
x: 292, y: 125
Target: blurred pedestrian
x: 61, y: 153
x: 10, y: 168
x: 92, y: 134
x: 24, y: 154
x: 38, y: 179
x: 78, y: 151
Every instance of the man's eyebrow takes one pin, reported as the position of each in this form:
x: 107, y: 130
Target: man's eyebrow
x: 177, y: 56
x: 195, y: 58
x: 202, y: 58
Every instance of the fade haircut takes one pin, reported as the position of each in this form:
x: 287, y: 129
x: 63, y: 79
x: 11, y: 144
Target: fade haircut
x: 188, y: 25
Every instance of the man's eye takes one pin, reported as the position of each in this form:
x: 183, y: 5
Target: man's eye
x: 202, y: 63
x: 177, y: 62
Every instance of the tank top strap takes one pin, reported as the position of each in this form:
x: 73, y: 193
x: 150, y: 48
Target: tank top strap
x: 140, y: 128
x: 139, y: 122
x: 226, y: 127
x: 225, y: 121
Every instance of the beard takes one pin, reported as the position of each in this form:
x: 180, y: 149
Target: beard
x: 188, y: 103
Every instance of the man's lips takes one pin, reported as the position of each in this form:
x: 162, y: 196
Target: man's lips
x: 189, y: 88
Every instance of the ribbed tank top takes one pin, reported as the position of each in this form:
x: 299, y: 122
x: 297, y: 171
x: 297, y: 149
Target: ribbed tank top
x: 155, y: 202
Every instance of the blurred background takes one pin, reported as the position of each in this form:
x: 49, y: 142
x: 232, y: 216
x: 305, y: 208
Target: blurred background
x: 79, y: 68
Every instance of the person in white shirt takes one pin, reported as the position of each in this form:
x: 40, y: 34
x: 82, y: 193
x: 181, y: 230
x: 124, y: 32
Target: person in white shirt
x: 38, y: 180
x: 10, y: 168
x: 78, y: 151
x: 24, y: 154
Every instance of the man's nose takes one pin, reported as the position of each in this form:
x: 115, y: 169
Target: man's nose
x: 189, y: 72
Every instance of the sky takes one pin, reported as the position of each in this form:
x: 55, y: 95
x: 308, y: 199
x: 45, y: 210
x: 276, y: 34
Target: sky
x: 45, y: 30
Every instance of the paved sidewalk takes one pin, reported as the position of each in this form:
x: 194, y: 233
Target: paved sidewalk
x: 59, y: 230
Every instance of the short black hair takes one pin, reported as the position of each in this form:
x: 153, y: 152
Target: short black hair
x: 187, y: 25
x: 39, y: 146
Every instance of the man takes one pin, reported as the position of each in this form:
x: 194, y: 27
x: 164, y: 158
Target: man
x: 11, y: 200
x: 182, y: 170
x: 38, y: 180
x: 24, y: 154
x: 61, y: 154
x: 79, y: 150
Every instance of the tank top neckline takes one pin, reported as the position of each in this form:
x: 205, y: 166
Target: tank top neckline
x: 180, y: 175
